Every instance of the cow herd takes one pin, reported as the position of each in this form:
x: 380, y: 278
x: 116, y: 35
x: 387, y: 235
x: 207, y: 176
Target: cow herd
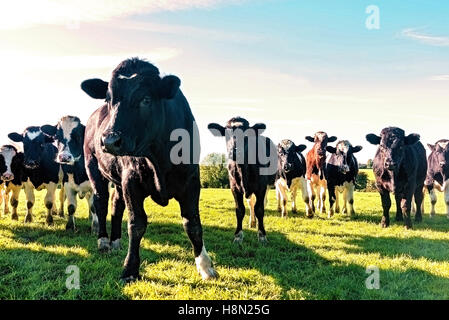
x: 127, y: 142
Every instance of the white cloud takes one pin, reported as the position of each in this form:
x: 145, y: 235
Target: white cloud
x: 440, y: 77
x: 412, y: 33
x: 26, y: 13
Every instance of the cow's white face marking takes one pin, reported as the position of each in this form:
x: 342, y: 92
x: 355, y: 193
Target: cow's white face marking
x: 33, y: 134
x: 121, y: 76
x: 320, y: 135
x: 343, y: 146
x: 237, y: 124
x: 443, y: 144
x: 8, y: 154
x: 67, y: 126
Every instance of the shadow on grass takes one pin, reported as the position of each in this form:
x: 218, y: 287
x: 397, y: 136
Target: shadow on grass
x: 298, y: 270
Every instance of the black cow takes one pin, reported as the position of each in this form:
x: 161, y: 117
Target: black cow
x: 341, y: 173
x: 128, y: 141
x: 290, y: 176
x: 69, y: 137
x: 400, y: 167
x: 12, y: 176
x: 41, y: 169
x: 249, y: 174
x: 438, y: 173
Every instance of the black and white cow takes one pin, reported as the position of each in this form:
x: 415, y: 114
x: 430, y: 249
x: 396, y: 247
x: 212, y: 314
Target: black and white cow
x: 41, y: 170
x: 12, y: 176
x: 128, y: 141
x: 290, y: 176
x: 69, y: 137
x: 247, y: 176
x: 341, y: 173
x: 400, y: 167
x: 438, y: 173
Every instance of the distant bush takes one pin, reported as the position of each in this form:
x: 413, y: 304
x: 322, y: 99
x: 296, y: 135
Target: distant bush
x: 364, y: 184
x: 213, y: 171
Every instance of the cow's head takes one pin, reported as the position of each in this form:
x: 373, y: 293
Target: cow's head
x: 10, y: 159
x: 34, y: 141
x: 69, y: 136
x: 321, y: 139
x: 441, y: 152
x: 392, y: 142
x: 236, y: 131
x: 288, y: 155
x: 343, y: 154
x: 135, y: 96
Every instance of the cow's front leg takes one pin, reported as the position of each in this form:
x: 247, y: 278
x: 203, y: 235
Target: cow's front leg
x: 406, y: 205
x: 259, y: 209
x: 337, y: 201
x: 15, y: 200
x: 399, y: 215
x: 5, y: 198
x: 386, y: 205
x: 118, y: 206
x: 350, y: 198
x: 137, y: 225
x: 323, y: 187
x: 188, y: 203
x: 433, y: 200
x: 332, y: 200
x: 305, y: 197
x: 281, y: 188
x: 61, y: 200
x: 311, y: 193
x: 71, y: 194
x: 252, y: 218
x: 446, y: 196
x: 49, y: 201
x: 100, y: 202
x: 240, y: 214
x: 418, y: 197
x: 29, y: 194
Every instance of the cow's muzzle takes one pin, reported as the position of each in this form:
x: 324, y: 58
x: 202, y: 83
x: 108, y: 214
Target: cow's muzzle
x: 66, y: 158
x: 390, y: 165
x: 442, y: 164
x: 7, y: 176
x: 111, y: 142
x: 31, y: 164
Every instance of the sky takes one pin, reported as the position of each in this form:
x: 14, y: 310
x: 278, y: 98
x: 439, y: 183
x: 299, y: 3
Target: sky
x: 297, y: 66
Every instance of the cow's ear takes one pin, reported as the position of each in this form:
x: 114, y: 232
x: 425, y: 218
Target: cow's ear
x: 300, y: 148
x: 169, y: 86
x: 331, y: 149
x: 412, y: 138
x: 259, y: 128
x: 311, y: 139
x: 372, y: 138
x: 14, y: 136
x: 431, y: 146
x: 216, y: 129
x: 49, y: 130
x: 356, y: 149
x: 332, y: 139
x: 95, y: 88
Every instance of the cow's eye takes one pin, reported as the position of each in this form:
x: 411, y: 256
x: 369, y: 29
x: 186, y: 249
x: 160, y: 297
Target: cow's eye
x: 146, y: 101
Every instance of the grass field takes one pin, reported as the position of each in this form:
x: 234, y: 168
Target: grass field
x: 304, y: 259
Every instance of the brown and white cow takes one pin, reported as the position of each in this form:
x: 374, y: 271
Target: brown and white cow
x: 316, y: 164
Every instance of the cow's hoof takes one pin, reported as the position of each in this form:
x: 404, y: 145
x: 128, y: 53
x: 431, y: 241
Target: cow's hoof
x: 70, y: 224
x: 262, y: 238
x: 252, y: 225
x: 95, y: 228
x: 384, y: 223
x: 238, y: 238
x: 129, y: 279
x: 408, y: 227
x: 204, y: 265
x: 115, y: 245
x: 103, y: 244
x: 432, y: 214
x: 49, y: 220
x: 28, y: 218
x: 294, y: 210
x: 337, y: 210
x: 14, y: 216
